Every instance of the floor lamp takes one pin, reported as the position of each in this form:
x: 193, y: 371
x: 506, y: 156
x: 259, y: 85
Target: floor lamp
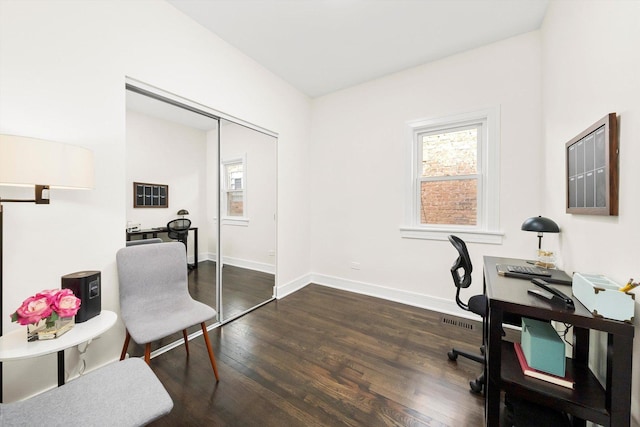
x: 40, y: 164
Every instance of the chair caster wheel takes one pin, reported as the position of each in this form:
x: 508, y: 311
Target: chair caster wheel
x: 476, y: 387
x: 452, y: 356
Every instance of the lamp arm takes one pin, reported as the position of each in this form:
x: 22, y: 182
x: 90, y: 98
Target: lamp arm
x: 41, y: 196
x: 18, y: 200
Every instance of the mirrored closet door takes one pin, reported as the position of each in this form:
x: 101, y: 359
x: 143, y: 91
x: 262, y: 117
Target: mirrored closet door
x: 248, y: 217
x: 219, y: 173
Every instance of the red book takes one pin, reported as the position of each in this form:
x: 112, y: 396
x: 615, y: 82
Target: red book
x: 565, y: 381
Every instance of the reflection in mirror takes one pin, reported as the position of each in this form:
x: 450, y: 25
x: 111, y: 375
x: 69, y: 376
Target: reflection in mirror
x: 172, y: 146
x: 213, y: 169
x: 248, y: 221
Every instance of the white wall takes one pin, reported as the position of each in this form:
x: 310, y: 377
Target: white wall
x: 62, y: 74
x: 359, y: 165
x: 590, y: 66
x: 162, y: 152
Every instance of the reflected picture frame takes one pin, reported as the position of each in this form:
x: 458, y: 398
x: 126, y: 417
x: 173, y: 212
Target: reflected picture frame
x: 592, y: 169
x: 147, y: 195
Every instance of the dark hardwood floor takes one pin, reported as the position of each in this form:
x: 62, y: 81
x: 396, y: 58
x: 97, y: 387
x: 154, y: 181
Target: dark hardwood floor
x: 325, y: 357
x: 242, y: 288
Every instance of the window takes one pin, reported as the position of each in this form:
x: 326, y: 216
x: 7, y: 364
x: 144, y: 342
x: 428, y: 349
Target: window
x: 234, y: 190
x: 454, y: 181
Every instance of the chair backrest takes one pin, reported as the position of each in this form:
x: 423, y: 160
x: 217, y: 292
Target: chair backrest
x: 151, y: 277
x: 461, y: 268
x: 144, y: 241
x: 178, y: 229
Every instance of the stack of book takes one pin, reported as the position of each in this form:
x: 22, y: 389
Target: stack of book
x: 527, y: 370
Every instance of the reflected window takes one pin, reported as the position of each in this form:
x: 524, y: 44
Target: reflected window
x: 235, y: 188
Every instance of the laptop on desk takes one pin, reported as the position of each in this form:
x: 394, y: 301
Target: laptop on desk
x: 550, y: 275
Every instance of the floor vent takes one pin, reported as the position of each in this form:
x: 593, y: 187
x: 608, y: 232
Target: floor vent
x: 458, y: 323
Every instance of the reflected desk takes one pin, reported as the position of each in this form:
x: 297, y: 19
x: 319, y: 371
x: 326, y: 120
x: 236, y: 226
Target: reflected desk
x: 609, y: 405
x: 14, y: 345
x: 153, y: 232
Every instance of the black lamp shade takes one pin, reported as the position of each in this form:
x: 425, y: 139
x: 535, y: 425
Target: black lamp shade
x: 540, y: 224
x: 183, y: 212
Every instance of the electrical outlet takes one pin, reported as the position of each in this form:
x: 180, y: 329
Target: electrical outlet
x: 355, y: 265
x: 272, y: 252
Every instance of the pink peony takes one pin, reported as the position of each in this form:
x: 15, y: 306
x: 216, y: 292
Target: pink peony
x: 49, y: 292
x: 34, y: 309
x: 48, y: 304
x: 65, y: 303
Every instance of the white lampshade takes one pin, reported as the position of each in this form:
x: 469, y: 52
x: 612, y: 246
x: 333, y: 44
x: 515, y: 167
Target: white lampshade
x: 30, y: 161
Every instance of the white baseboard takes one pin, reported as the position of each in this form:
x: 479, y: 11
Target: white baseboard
x: 250, y: 265
x: 237, y: 262
x: 441, y: 305
x: 207, y: 256
x: 293, y: 286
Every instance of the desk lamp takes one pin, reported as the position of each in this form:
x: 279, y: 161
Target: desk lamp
x: 183, y: 212
x: 541, y: 225
x: 35, y: 162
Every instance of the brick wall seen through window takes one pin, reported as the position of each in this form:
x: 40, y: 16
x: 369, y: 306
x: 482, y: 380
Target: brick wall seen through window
x: 449, y: 178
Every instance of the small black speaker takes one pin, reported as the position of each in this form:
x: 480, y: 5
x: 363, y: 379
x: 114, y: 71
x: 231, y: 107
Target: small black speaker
x: 86, y: 286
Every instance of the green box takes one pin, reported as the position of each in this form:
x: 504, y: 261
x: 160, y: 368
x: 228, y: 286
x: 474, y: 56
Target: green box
x: 542, y: 347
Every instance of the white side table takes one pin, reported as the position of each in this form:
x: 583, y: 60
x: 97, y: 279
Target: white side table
x: 14, y: 345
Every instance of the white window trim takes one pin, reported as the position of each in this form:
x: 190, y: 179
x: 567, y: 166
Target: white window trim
x: 487, y: 230
x: 235, y: 220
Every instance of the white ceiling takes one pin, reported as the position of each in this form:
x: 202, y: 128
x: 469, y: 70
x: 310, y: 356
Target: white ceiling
x: 320, y: 46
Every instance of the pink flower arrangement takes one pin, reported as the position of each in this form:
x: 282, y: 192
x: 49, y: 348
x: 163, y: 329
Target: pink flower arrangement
x: 49, y: 304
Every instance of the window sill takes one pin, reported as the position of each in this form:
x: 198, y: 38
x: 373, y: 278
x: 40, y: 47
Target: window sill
x: 490, y: 237
x: 244, y: 222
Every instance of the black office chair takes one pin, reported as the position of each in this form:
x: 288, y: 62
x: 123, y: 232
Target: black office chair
x: 178, y: 229
x: 477, y: 304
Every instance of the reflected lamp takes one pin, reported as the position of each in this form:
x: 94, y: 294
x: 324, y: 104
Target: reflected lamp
x: 540, y: 225
x: 183, y: 212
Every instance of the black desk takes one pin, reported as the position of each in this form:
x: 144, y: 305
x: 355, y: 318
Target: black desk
x: 608, y: 406
x: 153, y: 232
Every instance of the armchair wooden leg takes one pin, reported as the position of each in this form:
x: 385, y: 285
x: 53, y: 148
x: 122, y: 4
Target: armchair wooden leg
x: 147, y: 353
x: 126, y: 346
x: 186, y: 341
x: 205, y: 333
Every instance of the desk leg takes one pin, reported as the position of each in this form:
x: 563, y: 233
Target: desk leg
x: 618, y: 396
x: 581, y: 346
x: 60, y: 368
x: 195, y: 248
x: 494, y: 366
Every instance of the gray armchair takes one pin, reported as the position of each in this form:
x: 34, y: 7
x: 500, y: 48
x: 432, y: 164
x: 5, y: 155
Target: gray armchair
x: 154, y: 298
